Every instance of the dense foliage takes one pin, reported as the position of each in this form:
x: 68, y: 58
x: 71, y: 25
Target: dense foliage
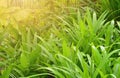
x: 81, y: 39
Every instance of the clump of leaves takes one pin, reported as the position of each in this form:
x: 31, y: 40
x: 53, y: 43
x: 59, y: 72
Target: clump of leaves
x: 84, y: 30
x: 113, y: 8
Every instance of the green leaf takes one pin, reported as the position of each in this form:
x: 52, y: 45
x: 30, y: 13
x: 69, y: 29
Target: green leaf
x: 24, y: 60
x: 7, y: 72
x: 66, y: 50
x: 84, y: 65
x: 96, y: 55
